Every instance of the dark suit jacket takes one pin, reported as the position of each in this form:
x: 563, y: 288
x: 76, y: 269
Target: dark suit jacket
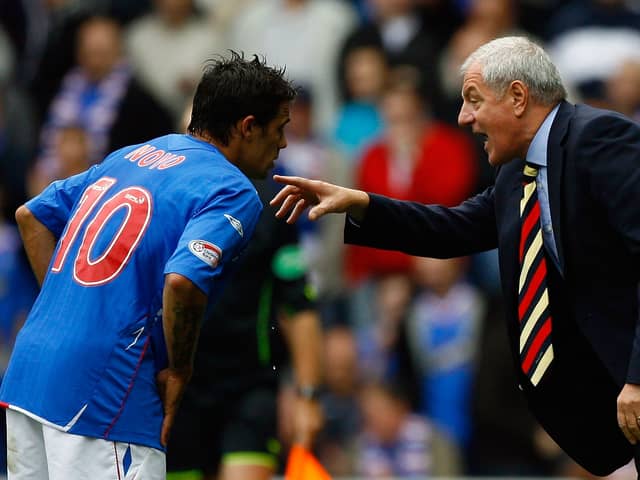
x: 594, y: 189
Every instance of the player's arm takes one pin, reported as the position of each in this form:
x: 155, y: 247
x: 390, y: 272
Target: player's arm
x: 182, y: 312
x: 39, y: 242
x: 303, y: 334
x: 42, y: 219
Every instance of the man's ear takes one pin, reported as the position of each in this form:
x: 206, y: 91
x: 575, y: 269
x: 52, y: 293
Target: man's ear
x: 519, y: 97
x: 246, y: 126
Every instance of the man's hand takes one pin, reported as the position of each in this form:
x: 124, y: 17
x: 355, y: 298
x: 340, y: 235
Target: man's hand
x: 300, y: 193
x: 308, y: 421
x: 629, y: 412
x: 171, y: 386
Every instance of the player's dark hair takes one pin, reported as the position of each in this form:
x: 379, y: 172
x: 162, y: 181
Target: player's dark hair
x: 233, y: 88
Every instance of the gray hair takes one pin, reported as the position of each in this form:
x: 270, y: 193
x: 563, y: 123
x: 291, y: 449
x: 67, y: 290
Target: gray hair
x: 506, y: 59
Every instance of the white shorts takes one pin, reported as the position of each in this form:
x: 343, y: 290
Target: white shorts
x: 39, y: 452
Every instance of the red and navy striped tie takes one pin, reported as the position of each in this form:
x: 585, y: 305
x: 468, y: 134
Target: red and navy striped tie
x: 536, y: 349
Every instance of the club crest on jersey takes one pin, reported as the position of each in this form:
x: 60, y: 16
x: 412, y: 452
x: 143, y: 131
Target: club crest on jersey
x: 235, y: 223
x: 206, y: 251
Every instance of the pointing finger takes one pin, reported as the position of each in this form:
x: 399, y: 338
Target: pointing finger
x: 287, y: 180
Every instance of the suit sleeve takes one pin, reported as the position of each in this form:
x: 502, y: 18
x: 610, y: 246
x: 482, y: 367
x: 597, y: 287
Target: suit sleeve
x: 427, y: 230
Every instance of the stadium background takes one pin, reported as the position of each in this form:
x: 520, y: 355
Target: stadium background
x: 415, y: 352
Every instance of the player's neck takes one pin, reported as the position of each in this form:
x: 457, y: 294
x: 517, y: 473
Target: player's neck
x: 227, y: 150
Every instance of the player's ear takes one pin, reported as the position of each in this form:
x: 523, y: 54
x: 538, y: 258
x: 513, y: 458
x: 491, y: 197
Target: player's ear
x: 247, y: 126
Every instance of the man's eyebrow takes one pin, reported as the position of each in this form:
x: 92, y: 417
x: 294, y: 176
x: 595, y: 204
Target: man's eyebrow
x: 468, y: 91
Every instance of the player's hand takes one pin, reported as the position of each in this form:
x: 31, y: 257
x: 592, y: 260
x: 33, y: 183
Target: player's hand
x: 308, y: 421
x: 171, y: 386
x: 629, y: 412
x: 300, y: 193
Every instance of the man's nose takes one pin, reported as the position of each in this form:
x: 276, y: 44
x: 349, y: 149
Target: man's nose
x: 465, y: 117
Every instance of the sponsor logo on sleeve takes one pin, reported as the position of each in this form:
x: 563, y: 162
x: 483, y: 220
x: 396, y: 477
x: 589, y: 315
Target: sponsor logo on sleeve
x: 235, y: 223
x: 206, y: 251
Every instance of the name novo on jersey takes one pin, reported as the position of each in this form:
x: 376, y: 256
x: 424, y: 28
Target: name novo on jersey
x: 151, y: 157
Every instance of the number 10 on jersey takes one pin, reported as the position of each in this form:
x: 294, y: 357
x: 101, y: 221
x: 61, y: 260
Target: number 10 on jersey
x: 92, y: 270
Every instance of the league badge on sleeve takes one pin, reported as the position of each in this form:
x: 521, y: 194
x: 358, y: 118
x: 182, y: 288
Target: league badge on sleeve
x: 206, y: 251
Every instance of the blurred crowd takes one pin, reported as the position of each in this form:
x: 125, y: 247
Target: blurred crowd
x: 418, y: 372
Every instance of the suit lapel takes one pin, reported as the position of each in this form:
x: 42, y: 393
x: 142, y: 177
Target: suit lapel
x: 555, y: 165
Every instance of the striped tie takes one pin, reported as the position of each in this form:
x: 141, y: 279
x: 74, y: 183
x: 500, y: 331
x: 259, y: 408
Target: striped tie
x: 536, y: 350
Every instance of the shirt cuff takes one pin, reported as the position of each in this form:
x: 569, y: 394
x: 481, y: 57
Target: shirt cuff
x: 353, y: 222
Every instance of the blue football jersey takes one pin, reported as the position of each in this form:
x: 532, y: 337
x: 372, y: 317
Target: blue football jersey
x: 86, y: 359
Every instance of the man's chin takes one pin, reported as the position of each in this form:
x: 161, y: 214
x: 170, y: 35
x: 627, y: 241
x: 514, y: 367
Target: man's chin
x: 258, y: 175
x: 496, y: 162
x: 263, y: 174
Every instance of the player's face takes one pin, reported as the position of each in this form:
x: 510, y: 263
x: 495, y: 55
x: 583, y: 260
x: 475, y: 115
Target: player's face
x: 265, y: 145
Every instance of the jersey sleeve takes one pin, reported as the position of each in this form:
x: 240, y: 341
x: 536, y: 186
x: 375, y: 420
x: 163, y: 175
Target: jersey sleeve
x: 53, y: 206
x: 215, y: 236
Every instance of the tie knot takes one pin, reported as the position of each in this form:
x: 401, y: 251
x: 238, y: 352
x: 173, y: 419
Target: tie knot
x: 530, y: 172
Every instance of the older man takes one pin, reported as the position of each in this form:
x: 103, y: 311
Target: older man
x: 564, y: 214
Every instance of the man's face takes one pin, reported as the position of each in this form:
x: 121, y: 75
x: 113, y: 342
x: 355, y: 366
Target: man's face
x: 404, y: 115
x: 261, y: 150
x: 489, y: 116
x: 98, y: 48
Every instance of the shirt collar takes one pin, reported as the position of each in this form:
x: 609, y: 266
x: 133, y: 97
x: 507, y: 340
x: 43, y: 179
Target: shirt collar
x: 537, y: 153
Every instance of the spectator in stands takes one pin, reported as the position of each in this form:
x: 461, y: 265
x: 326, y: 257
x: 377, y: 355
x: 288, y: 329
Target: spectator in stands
x: 359, y: 118
x: 222, y: 13
x: 168, y: 48
x: 397, y: 443
x: 72, y: 152
x: 304, y: 35
x: 588, y: 40
x: 592, y: 13
x: 443, y: 335
x: 50, y: 51
x: 483, y: 21
x: 622, y: 89
x: 336, y: 442
x: 396, y: 28
x: 102, y: 95
x: 18, y: 286
x: 406, y: 163
x: 379, y: 315
x: 17, y: 131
